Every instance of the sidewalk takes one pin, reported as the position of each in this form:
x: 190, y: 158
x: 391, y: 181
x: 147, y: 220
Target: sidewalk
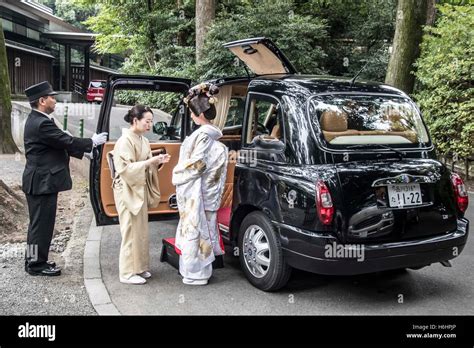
x: 164, y: 293
x: 434, y: 290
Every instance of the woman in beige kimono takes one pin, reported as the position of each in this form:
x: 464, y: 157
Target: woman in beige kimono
x: 136, y: 189
x: 199, y: 178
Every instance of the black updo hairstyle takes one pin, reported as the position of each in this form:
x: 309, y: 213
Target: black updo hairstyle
x: 136, y: 112
x: 201, y: 99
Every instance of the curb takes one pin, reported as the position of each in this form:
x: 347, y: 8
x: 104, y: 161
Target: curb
x: 95, y: 287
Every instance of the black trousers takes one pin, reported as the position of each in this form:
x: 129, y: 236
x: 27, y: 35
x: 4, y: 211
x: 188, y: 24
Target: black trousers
x: 42, y: 211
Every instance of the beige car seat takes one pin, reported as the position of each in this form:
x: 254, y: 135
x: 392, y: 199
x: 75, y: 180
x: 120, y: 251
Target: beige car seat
x: 398, y: 127
x: 276, y: 131
x: 334, y: 124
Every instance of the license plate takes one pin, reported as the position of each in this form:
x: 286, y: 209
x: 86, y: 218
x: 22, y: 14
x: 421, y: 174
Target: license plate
x: 404, y: 195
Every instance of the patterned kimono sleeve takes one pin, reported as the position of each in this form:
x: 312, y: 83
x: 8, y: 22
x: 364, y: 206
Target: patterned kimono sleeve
x: 193, y: 167
x: 126, y: 166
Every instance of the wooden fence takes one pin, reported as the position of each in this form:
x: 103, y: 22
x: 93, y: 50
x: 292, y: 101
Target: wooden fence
x: 464, y: 166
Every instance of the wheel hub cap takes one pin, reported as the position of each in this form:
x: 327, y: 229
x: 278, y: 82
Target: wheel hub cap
x: 257, y: 254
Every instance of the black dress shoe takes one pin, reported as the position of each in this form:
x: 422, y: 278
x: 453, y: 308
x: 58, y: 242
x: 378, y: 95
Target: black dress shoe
x: 49, y: 263
x: 48, y: 271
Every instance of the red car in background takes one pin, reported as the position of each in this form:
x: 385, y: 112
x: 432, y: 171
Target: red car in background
x: 95, y: 91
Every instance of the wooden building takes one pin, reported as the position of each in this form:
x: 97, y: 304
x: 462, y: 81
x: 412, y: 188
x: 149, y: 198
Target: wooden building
x: 41, y: 46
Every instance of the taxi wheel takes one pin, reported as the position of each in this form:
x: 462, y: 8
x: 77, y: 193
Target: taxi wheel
x: 260, y: 253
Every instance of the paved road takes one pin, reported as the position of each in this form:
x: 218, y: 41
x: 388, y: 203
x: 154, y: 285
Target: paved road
x: 90, y: 114
x: 433, y: 290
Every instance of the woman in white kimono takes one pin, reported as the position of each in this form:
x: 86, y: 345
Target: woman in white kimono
x: 199, y: 178
x: 136, y: 188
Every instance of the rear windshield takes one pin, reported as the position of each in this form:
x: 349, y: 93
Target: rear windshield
x: 346, y: 119
x: 97, y: 84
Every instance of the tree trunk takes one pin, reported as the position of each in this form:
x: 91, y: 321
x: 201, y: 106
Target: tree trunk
x: 181, y: 36
x: 7, y: 145
x: 411, y: 16
x: 431, y: 13
x: 205, y: 14
x: 152, y: 52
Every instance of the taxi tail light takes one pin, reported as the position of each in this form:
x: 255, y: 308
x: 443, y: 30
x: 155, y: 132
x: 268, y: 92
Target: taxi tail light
x: 460, y: 192
x: 324, y: 204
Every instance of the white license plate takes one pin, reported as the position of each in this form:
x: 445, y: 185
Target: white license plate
x: 404, y: 195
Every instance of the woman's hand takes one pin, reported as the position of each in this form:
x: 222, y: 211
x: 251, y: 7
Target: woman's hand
x: 156, y: 160
x: 165, y: 158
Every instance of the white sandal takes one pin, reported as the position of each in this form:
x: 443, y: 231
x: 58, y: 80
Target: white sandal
x: 134, y: 279
x: 189, y: 281
x: 145, y: 274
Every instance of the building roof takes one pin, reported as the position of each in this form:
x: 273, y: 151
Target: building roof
x: 27, y: 48
x: 103, y: 69
x: 82, y: 38
x: 95, y: 66
x: 36, y: 11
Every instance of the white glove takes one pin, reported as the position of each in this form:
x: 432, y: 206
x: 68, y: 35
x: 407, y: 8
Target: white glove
x: 89, y: 155
x: 99, y: 139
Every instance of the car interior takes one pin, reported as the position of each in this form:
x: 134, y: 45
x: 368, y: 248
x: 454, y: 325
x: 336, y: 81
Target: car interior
x: 124, y: 99
x: 264, y: 128
x: 334, y: 125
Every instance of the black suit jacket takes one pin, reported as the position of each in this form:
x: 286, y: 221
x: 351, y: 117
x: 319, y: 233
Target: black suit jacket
x: 47, y: 150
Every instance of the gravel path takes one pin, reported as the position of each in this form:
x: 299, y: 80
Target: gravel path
x: 22, y: 294
x: 11, y: 168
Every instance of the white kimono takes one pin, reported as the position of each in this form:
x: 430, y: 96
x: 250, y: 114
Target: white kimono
x: 136, y: 188
x: 199, y: 178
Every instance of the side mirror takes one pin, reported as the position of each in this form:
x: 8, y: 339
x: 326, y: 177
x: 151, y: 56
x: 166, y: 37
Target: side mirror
x: 160, y: 128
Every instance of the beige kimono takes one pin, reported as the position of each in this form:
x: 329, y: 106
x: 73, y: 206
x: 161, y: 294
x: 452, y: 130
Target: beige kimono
x: 136, y: 188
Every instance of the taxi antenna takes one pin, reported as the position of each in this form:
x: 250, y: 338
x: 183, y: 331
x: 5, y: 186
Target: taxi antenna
x: 358, y: 73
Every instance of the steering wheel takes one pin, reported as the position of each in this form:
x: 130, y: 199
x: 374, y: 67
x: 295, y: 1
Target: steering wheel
x: 261, y: 129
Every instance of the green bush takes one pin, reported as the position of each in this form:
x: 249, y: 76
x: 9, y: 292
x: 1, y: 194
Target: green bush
x: 298, y: 36
x: 445, y: 87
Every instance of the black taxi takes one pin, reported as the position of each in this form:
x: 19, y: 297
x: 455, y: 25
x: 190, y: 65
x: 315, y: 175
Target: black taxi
x: 326, y: 174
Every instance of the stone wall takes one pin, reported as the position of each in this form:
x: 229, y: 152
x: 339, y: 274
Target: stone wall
x: 20, y: 112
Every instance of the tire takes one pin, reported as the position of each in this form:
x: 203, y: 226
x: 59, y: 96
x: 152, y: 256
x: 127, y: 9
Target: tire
x: 417, y: 268
x: 259, y: 245
x: 394, y: 272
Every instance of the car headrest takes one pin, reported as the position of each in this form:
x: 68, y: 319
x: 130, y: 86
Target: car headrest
x: 393, y: 116
x: 395, y: 120
x: 334, y: 121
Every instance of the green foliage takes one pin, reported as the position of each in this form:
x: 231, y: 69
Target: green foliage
x: 163, y: 100
x: 299, y: 36
x: 74, y: 14
x: 457, y: 2
x: 318, y: 36
x: 156, y: 37
x: 445, y: 72
x: 359, y: 32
